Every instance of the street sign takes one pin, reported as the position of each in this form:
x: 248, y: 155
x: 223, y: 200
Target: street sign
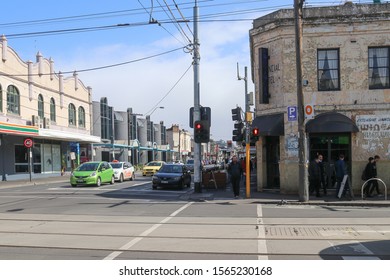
x: 28, y: 142
x: 292, y: 113
x: 309, y: 111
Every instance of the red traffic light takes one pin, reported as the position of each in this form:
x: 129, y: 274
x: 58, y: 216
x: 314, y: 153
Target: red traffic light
x: 198, y: 125
x: 255, y: 131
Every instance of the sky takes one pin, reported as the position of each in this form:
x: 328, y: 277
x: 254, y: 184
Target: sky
x: 151, y: 51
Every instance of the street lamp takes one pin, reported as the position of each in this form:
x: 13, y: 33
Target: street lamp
x: 161, y: 107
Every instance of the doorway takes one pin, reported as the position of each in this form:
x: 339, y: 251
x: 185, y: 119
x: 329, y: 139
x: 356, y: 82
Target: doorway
x: 272, y: 161
x: 331, y: 146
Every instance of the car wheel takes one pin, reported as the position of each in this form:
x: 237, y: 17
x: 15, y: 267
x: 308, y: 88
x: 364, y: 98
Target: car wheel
x: 132, y: 177
x: 181, y: 185
x: 121, y: 178
x: 113, y: 180
x: 73, y: 185
x: 98, y: 182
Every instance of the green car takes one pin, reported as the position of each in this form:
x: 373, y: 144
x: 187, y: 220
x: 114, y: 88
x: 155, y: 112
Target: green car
x: 92, y: 173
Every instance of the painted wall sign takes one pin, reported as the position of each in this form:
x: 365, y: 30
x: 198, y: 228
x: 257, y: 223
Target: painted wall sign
x: 374, y: 126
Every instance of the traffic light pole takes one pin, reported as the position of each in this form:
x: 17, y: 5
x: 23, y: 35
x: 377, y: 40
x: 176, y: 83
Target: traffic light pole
x: 247, y: 137
x: 196, y: 59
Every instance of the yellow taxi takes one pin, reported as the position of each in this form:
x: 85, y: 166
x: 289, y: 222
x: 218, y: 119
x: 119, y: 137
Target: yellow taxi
x: 152, y: 167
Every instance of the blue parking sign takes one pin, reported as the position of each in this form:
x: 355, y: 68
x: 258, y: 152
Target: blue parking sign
x: 292, y: 113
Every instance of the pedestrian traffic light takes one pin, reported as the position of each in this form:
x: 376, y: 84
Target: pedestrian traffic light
x: 238, y: 133
x: 255, y: 134
x: 236, y: 114
x: 201, y: 131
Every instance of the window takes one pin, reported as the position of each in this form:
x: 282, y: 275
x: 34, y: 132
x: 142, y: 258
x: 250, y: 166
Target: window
x: 378, y: 68
x: 72, y: 114
x: 13, y: 100
x: 52, y: 110
x: 328, y: 70
x: 41, y: 111
x: 81, y: 117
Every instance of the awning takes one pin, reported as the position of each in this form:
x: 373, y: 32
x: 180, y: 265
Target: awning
x: 331, y: 122
x: 270, y: 125
x: 68, y: 136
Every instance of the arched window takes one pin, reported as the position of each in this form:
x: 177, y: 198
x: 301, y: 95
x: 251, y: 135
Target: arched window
x: 13, y: 100
x: 1, y: 99
x: 81, y: 117
x: 41, y: 109
x: 52, y: 110
x: 72, y: 114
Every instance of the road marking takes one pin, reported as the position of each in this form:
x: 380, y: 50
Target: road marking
x: 261, y: 242
x: 134, y: 241
x: 357, y: 248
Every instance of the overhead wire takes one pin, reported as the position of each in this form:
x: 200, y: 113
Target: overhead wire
x: 171, y: 89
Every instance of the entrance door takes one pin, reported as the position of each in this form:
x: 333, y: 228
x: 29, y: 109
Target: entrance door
x: 331, y: 146
x: 272, y: 160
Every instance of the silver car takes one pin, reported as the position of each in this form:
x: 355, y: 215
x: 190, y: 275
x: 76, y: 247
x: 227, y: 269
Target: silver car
x: 123, y: 170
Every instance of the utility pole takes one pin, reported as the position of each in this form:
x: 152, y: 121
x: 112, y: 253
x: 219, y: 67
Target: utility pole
x: 303, y: 186
x: 196, y: 59
x: 247, y: 135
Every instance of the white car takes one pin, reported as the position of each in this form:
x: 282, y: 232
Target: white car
x: 123, y: 170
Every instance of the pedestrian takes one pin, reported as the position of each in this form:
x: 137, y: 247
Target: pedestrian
x: 375, y: 174
x: 235, y: 172
x: 341, y: 171
x: 315, y: 176
x: 368, y: 174
x: 323, y: 175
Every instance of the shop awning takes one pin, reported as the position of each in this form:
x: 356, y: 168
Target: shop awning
x: 270, y: 125
x: 331, y: 122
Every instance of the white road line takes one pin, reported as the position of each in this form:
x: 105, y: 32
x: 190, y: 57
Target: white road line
x: 261, y: 242
x: 134, y: 241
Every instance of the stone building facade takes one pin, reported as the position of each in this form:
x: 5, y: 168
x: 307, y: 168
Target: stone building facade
x: 50, y: 108
x: 346, y: 69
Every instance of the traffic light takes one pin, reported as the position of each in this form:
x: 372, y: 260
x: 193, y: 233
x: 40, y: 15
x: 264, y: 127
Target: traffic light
x: 236, y: 114
x: 255, y: 134
x: 202, y: 131
x: 238, y: 133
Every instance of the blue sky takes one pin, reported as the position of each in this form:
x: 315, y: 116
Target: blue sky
x: 164, y: 80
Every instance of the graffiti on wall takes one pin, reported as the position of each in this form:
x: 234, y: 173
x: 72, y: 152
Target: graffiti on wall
x: 375, y: 130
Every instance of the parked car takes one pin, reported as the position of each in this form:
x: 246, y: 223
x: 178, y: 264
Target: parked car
x: 152, y: 167
x: 172, y: 175
x: 123, y: 170
x: 92, y: 173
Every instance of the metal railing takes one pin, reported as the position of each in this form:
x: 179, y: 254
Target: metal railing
x: 373, y: 179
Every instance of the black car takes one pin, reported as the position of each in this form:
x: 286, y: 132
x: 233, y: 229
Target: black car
x: 172, y: 175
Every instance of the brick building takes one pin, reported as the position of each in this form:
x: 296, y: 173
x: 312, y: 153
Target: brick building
x: 346, y: 69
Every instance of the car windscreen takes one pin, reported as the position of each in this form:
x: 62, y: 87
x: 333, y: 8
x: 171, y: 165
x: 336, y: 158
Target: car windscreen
x: 116, y: 165
x: 171, y: 169
x: 154, y: 164
x: 88, y: 167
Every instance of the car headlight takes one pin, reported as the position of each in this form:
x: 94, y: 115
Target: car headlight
x: 93, y: 174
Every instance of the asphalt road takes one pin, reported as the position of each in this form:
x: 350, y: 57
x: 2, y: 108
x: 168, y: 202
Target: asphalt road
x: 131, y: 221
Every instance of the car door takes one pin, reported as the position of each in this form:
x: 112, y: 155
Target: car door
x: 126, y: 170
x: 106, y: 172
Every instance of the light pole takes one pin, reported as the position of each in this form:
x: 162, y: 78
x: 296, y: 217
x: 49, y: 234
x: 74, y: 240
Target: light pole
x: 161, y: 107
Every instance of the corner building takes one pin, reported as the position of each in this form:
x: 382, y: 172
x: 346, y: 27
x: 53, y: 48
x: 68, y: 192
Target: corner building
x: 346, y: 68
x: 51, y: 109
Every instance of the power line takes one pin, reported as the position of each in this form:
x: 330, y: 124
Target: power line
x: 158, y: 103
x: 100, y: 67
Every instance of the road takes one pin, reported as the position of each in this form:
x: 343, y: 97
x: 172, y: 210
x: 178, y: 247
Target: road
x: 129, y: 220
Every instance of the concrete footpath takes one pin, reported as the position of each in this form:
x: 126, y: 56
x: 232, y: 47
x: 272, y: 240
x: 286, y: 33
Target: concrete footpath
x: 265, y: 197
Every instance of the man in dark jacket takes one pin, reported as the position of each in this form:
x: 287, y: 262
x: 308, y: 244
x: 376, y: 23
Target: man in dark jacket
x: 374, y: 175
x: 235, y: 171
x: 315, y: 177
x: 341, y: 171
x: 369, y: 173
